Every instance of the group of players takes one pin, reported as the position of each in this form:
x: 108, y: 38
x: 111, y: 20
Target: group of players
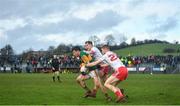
x: 98, y: 67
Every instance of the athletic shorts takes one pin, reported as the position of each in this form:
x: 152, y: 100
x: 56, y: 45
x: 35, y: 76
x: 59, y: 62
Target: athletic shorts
x: 92, y: 74
x: 121, y: 73
x: 55, y: 70
x: 104, y: 69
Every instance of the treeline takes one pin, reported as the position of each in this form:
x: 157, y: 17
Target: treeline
x: 7, y: 55
x: 136, y: 43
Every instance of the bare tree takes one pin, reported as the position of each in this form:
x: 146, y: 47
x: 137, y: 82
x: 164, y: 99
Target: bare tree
x: 94, y: 39
x: 109, y: 39
x: 62, y: 49
x: 7, y: 54
x: 122, y: 38
x: 133, y: 41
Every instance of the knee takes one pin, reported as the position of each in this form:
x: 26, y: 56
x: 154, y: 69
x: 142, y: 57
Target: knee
x: 79, y: 79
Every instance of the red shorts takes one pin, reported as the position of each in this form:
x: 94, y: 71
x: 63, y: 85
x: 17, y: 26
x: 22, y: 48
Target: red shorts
x: 121, y: 73
x: 104, y: 69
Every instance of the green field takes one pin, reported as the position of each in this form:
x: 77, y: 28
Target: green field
x: 148, y: 49
x: 38, y: 89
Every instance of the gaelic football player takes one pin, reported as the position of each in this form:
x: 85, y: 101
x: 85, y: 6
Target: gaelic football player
x: 55, y: 68
x: 85, y: 58
x: 119, y: 74
x: 103, y: 73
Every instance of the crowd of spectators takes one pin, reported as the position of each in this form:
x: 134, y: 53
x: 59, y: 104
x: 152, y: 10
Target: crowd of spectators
x: 44, y: 63
x: 153, y: 60
x: 36, y: 63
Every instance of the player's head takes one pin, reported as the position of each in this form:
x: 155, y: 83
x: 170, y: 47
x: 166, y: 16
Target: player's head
x: 105, y: 48
x: 88, y: 45
x: 76, y: 51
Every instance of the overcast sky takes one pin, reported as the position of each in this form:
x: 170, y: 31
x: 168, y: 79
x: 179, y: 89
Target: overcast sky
x: 38, y: 24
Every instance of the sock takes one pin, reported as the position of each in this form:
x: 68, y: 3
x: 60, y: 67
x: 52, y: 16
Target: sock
x: 54, y: 78
x: 118, y: 93
x: 58, y: 78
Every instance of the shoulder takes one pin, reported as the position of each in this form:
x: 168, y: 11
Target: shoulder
x: 94, y: 48
x: 82, y: 53
x: 110, y: 52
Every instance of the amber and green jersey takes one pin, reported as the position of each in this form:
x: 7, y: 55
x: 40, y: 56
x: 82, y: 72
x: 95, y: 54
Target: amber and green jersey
x: 86, y: 58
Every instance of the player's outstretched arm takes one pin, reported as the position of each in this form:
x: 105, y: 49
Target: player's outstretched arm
x: 93, y: 63
x: 104, y: 65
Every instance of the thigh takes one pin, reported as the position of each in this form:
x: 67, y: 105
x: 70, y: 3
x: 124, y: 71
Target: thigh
x: 112, y: 80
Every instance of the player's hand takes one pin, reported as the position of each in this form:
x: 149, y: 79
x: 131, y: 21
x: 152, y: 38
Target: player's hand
x: 98, y: 66
x: 86, y: 66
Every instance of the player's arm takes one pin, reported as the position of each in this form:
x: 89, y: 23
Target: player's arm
x: 93, y: 63
x: 104, y: 65
x: 96, y: 62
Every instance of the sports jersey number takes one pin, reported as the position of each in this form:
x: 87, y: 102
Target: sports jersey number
x: 112, y: 57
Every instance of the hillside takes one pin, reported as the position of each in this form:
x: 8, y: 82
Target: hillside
x: 148, y: 49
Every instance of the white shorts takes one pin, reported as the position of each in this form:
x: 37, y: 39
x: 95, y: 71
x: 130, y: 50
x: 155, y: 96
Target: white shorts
x: 92, y: 74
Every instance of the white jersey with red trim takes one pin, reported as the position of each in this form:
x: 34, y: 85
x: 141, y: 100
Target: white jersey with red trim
x: 112, y: 59
x: 95, y: 52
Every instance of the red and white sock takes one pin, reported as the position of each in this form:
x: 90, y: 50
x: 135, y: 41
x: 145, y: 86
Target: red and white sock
x: 118, y: 93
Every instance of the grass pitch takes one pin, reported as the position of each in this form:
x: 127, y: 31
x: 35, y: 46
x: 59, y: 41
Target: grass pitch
x: 38, y: 89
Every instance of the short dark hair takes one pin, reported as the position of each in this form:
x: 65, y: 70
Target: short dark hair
x: 76, y: 48
x: 89, y: 42
x: 106, y: 46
